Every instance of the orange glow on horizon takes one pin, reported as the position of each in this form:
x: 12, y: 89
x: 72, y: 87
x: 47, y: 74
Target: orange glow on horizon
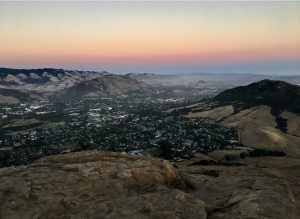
x: 148, y: 33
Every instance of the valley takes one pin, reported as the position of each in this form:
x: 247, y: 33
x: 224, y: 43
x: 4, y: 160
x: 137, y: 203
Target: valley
x: 134, y: 113
x: 131, y: 124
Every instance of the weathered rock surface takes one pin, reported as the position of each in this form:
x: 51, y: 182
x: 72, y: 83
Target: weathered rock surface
x: 113, y: 185
x: 96, y: 185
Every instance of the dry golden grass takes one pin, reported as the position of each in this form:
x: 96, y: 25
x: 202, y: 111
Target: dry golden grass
x: 216, y: 113
x: 257, y: 127
x: 293, y: 124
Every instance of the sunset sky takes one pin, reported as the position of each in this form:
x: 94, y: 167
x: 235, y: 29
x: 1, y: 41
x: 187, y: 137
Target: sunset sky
x: 161, y: 37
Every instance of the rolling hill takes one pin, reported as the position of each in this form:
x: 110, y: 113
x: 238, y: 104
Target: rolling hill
x: 106, y: 85
x: 279, y: 95
x: 265, y: 113
x: 10, y: 96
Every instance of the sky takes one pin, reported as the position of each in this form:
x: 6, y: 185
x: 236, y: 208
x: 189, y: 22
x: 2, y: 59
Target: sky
x: 158, y: 37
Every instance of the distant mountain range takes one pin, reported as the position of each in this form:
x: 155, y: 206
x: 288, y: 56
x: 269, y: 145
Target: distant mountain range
x: 20, y: 85
x: 50, y: 79
x: 46, y: 79
x: 71, y: 84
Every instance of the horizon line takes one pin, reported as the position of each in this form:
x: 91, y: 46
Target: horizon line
x: 155, y: 73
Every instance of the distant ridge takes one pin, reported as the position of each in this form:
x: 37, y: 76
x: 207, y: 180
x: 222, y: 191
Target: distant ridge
x: 43, y: 79
x: 15, y: 71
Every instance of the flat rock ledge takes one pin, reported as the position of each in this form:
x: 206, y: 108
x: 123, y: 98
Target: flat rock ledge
x: 118, y: 185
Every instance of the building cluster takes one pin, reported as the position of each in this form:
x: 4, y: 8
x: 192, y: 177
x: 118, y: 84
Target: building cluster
x: 125, y: 123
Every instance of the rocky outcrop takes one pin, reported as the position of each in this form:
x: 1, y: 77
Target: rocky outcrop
x: 96, y: 185
x: 244, y: 192
x: 117, y: 185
